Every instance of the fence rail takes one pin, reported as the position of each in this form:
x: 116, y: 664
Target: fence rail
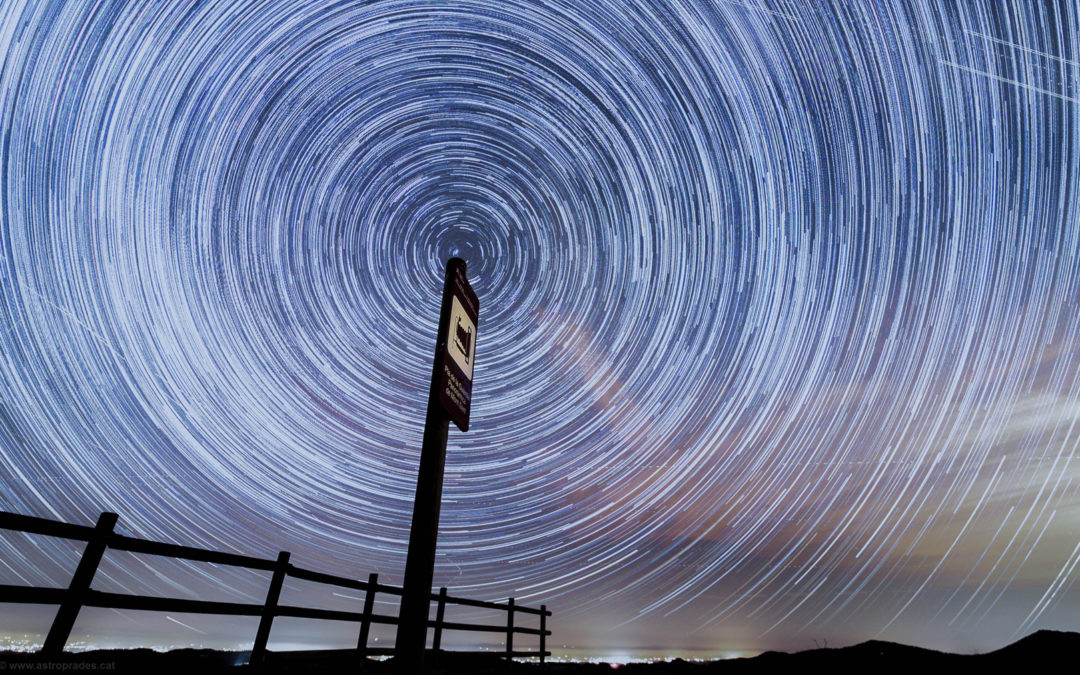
x: 101, y: 537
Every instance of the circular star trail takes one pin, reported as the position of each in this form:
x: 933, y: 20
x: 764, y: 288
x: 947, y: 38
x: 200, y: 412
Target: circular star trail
x: 779, y: 302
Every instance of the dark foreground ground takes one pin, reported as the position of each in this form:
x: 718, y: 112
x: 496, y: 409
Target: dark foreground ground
x: 1038, y: 648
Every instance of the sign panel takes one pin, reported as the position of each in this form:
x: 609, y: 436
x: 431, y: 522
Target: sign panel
x: 457, y: 345
x: 462, y: 338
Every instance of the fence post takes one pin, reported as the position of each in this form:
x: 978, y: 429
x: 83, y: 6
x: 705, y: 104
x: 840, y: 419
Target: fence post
x: 510, y: 630
x: 80, y: 585
x: 543, y: 632
x: 365, y: 623
x: 439, y: 614
x: 258, y: 650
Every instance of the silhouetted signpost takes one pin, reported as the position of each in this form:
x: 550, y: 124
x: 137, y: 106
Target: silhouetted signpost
x: 450, y: 398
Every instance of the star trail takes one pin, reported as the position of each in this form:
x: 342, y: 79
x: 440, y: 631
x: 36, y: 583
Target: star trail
x: 780, y: 326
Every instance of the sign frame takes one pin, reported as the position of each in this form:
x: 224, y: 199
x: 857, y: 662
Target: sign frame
x: 455, y: 351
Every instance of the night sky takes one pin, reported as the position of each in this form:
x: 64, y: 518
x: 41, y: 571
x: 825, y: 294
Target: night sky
x: 779, y: 333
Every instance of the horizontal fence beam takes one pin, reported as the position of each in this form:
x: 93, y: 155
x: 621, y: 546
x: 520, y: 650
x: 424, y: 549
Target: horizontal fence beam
x: 49, y: 528
x: 518, y: 609
x: 332, y: 614
x: 159, y: 604
x: 343, y: 582
x: 121, y: 543
x: 32, y: 595
x: 480, y: 628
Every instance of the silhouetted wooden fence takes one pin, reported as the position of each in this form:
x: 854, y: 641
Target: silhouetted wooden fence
x: 101, y: 537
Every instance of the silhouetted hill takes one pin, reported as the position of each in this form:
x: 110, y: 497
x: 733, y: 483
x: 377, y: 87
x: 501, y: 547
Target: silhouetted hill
x: 872, y: 654
x: 1038, y: 644
x: 1039, y: 647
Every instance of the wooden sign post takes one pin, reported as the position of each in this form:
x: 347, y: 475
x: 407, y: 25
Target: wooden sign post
x: 449, y: 398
